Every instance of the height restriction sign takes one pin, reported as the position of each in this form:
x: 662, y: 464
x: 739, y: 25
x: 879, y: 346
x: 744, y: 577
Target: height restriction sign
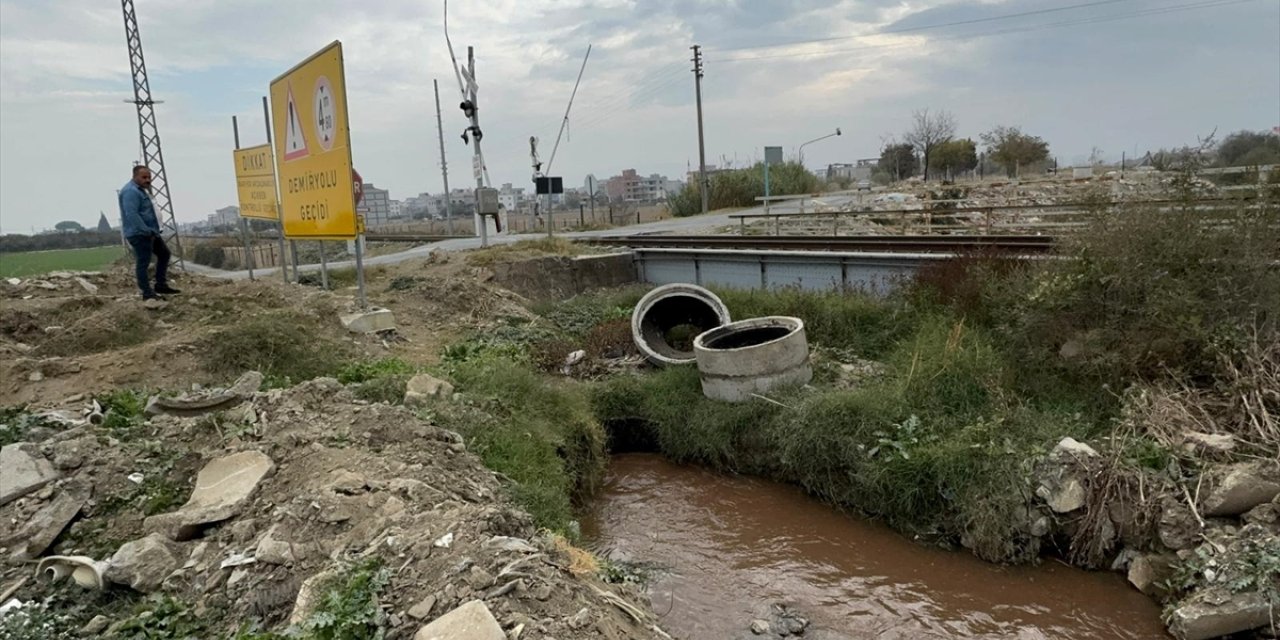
x: 313, y: 148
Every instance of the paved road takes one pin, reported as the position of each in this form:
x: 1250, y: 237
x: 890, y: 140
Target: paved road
x: 691, y: 225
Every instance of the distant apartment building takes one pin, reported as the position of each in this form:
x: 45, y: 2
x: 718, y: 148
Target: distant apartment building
x: 855, y: 172
x: 511, y: 198
x: 396, y: 208
x: 630, y: 186
x: 226, y: 216
x: 375, y: 206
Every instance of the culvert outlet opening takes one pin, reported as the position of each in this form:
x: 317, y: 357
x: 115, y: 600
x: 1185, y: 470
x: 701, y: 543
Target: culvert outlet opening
x: 668, y: 319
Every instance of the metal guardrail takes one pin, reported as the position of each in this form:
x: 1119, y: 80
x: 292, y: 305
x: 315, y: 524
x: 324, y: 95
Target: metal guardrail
x: 930, y: 208
x: 1014, y: 244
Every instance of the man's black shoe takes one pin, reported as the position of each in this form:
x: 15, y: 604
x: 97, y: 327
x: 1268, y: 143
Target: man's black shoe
x: 166, y: 290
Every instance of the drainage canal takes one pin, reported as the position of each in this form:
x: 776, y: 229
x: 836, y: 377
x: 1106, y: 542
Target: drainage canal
x: 724, y: 551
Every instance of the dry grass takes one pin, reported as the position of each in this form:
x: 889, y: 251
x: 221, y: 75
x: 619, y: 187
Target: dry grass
x: 524, y: 250
x: 1244, y: 403
x: 581, y: 562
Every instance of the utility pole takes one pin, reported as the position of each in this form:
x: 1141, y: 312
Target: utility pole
x: 702, y: 148
x: 472, y: 111
x: 444, y: 165
x: 148, y: 133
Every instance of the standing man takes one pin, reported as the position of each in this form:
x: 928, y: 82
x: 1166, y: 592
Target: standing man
x: 142, y: 230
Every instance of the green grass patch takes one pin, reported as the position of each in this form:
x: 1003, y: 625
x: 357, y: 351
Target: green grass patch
x: 538, y: 432
x: 16, y: 422
x: 840, y: 320
x: 30, y: 263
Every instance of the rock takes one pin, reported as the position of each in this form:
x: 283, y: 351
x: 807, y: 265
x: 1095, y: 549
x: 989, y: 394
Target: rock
x: 1067, y: 495
x: 308, y: 596
x: 1268, y: 513
x: 1041, y: 526
x: 1243, y: 487
x: 1072, y: 447
x: 759, y: 627
x: 345, y: 482
x: 44, y: 527
x: 223, y: 486
x: 580, y: 619
x: 794, y: 625
x: 23, y: 470
x: 1148, y: 572
x: 95, y: 626
x: 1178, y: 528
x: 371, y: 321
x: 470, y: 621
x: 507, y: 543
x: 423, y: 608
x: 479, y: 579
x: 143, y: 564
x: 35, y: 376
x: 273, y: 550
x: 1202, y: 620
x: 1209, y: 443
x: 423, y: 387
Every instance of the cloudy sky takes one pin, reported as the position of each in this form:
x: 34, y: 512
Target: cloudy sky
x: 1119, y: 75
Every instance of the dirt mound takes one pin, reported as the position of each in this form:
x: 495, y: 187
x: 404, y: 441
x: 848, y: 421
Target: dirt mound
x: 354, y: 485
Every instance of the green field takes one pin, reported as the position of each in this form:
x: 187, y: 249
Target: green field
x: 30, y: 263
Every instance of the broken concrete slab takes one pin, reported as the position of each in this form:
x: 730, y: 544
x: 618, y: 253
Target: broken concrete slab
x: 1203, y: 620
x: 44, y: 527
x: 1064, y: 496
x: 372, y: 321
x: 143, y: 564
x: 309, y: 596
x: 194, y: 404
x: 1071, y: 447
x: 1148, y: 572
x: 423, y: 387
x: 470, y: 621
x: 23, y: 470
x: 423, y: 608
x: 1208, y: 443
x: 223, y: 486
x: 1242, y: 487
x: 273, y: 549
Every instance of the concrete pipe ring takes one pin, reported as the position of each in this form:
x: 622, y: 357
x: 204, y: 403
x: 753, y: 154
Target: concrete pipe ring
x: 667, y: 319
x: 752, y: 357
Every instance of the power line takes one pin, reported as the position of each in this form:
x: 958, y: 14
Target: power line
x: 1012, y: 30
x: 1007, y: 16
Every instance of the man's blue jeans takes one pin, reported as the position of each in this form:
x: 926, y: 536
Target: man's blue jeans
x: 143, y: 248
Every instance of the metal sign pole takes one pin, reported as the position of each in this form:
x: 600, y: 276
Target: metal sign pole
x: 364, y: 304
x: 284, y: 262
x: 324, y: 266
x: 244, y: 228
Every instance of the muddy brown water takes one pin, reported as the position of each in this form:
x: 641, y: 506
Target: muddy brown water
x: 723, y: 549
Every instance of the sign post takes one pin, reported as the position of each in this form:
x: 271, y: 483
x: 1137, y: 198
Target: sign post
x: 313, y: 153
x: 275, y: 190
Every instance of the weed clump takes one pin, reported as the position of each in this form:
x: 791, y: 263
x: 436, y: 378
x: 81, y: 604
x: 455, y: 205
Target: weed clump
x: 283, y: 345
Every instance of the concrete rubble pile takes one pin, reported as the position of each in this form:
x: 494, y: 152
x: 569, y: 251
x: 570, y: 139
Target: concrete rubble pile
x: 288, y: 489
x: 1226, y: 527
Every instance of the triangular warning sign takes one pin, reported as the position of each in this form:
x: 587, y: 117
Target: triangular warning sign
x: 295, y: 144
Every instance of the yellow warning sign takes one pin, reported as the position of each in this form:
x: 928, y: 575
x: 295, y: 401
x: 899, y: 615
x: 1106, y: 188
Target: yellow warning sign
x: 256, y: 182
x: 313, y: 148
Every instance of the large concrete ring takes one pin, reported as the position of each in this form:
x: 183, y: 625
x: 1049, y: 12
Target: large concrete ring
x: 668, y: 307
x: 751, y: 357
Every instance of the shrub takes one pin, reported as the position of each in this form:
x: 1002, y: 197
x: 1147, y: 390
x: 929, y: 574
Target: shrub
x: 740, y: 188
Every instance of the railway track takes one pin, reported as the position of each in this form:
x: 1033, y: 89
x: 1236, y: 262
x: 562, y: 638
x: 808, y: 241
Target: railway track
x: 894, y: 244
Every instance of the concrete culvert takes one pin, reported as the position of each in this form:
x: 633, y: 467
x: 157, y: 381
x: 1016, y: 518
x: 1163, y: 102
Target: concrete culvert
x: 667, y: 319
x: 749, y: 357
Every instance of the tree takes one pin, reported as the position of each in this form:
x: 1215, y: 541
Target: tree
x: 928, y: 131
x: 103, y: 225
x: 67, y: 226
x: 1248, y: 148
x: 898, y: 161
x: 1012, y: 149
x: 954, y: 156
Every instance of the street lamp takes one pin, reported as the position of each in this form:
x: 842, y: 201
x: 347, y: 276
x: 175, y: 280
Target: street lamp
x: 801, y: 153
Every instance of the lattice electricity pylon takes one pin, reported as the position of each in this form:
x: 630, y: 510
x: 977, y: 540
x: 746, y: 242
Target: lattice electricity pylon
x: 149, y: 135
